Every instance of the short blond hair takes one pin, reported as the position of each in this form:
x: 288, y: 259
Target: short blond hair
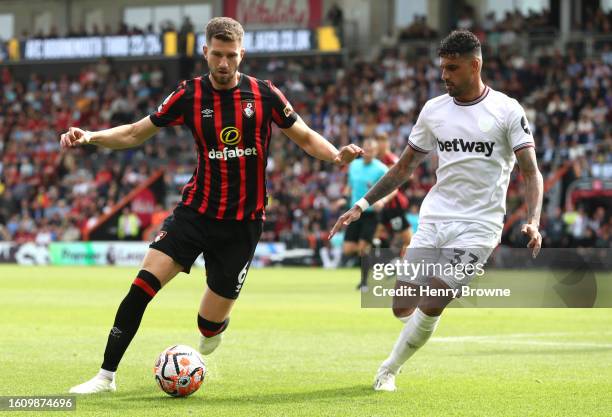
x: 225, y: 29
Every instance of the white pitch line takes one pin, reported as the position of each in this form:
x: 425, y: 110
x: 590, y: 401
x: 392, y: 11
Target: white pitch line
x: 563, y: 344
x: 511, y: 338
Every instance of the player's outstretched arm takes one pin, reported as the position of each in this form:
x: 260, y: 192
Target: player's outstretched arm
x: 317, y: 146
x: 534, y: 192
x: 120, y: 137
x: 397, y: 175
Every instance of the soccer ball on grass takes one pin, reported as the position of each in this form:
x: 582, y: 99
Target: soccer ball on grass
x: 179, y: 371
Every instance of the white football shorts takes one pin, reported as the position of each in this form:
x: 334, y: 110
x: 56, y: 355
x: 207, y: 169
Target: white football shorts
x: 453, y: 252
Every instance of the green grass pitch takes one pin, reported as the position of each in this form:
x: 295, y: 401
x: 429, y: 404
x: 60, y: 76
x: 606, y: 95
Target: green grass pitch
x: 299, y: 345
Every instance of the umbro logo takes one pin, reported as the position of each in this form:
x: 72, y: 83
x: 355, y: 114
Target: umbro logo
x: 207, y: 113
x: 115, y: 332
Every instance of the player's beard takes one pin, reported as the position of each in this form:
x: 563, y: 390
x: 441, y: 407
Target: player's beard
x: 223, y: 78
x: 452, y: 90
x: 457, y: 90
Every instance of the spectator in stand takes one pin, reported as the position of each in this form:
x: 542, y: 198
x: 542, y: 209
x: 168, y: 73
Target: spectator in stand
x: 128, y: 226
x: 335, y: 16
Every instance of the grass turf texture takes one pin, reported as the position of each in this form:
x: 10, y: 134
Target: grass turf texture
x: 299, y: 345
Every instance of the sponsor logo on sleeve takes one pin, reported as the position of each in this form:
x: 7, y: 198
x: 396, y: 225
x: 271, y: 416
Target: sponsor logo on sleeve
x: 525, y: 125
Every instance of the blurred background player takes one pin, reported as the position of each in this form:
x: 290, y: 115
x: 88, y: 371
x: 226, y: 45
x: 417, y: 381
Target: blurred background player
x: 394, y: 229
x: 223, y: 203
x: 479, y: 134
x: 363, y: 173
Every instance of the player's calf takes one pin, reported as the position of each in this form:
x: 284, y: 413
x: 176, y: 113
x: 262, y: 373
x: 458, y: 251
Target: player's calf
x: 404, y: 306
x: 414, y: 335
x: 403, y: 314
x: 127, y: 320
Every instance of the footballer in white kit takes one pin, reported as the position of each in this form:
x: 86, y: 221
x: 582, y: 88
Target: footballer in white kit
x: 462, y: 215
x: 478, y: 134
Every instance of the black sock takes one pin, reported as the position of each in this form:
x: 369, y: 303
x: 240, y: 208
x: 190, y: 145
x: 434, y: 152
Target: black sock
x: 211, y: 328
x: 128, y: 318
x: 365, y: 269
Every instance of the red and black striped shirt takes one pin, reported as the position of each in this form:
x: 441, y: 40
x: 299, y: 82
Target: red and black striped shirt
x: 400, y: 200
x: 231, y: 129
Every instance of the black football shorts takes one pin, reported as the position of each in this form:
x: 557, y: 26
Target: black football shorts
x: 363, y: 228
x: 394, y: 219
x: 228, y: 247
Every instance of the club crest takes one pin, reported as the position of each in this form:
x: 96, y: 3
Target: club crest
x: 248, y: 108
x: 160, y: 236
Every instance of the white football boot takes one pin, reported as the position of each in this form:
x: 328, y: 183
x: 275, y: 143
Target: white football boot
x: 384, y: 381
x: 209, y: 344
x: 95, y: 385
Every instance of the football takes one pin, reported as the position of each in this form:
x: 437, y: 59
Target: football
x: 179, y: 371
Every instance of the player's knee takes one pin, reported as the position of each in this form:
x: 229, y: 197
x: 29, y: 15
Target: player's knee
x: 402, y: 313
x: 432, y: 308
x: 363, y: 248
x: 349, y: 248
x: 210, y: 328
x: 146, y: 283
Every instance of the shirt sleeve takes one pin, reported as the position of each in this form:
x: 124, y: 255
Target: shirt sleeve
x: 171, y: 111
x: 519, y: 134
x: 283, y: 114
x: 421, y: 139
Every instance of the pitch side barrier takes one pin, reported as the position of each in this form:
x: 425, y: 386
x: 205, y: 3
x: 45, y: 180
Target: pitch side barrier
x: 114, y: 253
x: 556, y: 278
x: 510, y: 277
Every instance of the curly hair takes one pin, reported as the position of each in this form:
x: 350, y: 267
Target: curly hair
x: 459, y: 42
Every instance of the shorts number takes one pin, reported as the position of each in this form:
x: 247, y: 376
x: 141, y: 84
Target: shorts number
x: 396, y: 223
x: 242, y: 276
x: 459, y: 253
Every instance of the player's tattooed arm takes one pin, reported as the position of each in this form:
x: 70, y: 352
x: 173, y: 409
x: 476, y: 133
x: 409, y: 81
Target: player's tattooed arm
x: 534, y: 193
x: 397, y: 175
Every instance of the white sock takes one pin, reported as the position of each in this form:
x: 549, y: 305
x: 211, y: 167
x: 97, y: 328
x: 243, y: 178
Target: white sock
x: 414, y: 335
x: 405, y: 319
x: 108, y: 375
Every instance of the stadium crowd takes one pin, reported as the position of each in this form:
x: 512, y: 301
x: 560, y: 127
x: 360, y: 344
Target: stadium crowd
x: 121, y: 29
x: 48, y: 195
x: 506, y: 29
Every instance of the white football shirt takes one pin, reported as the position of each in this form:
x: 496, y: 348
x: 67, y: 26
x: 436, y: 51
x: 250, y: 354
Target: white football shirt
x: 475, y: 142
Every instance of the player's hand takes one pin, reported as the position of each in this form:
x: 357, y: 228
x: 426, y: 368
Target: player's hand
x: 347, y: 154
x: 535, y: 238
x: 74, y: 137
x: 347, y: 218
